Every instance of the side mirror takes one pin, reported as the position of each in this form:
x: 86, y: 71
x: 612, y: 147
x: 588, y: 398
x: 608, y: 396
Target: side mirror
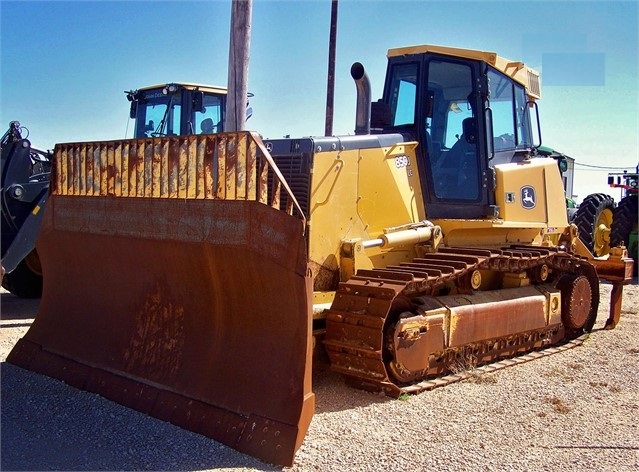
x: 563, y: 164
x: 536, y: 138
x: 133, y: 111
x: 198, y: 102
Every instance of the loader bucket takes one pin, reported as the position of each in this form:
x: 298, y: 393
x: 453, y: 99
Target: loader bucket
x: 174, y: 284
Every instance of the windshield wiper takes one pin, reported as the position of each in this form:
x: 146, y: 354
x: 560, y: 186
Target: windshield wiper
x: 159, y: 131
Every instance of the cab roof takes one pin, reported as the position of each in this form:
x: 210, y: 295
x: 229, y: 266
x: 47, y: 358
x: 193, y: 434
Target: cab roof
x: 190, y: 86
x: 516, y: 70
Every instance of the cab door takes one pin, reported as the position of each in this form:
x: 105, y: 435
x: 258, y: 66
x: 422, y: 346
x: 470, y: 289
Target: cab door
x: 437, y: 100
x: 456, y: 164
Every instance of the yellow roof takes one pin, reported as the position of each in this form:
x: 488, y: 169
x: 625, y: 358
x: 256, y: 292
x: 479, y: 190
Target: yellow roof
x: 517, y: 70
x: 191, y: 86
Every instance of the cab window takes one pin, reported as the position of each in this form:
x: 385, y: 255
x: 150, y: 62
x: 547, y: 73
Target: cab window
x: 403, y: 92
x: 511, y: 128
x: 451, y: 131
x: 457, y: 112
x: 210, y: 120
x: 158, y: 114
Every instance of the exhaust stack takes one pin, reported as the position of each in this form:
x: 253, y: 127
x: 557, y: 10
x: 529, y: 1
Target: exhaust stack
x: 363, y: 111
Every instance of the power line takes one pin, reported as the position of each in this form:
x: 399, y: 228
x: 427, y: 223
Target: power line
x: 603, y: 167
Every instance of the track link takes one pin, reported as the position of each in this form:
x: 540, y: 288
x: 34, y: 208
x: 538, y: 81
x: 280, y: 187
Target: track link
x: 431, y: 384
x: 357, y: 330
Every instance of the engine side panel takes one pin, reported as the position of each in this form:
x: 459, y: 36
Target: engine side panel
x: 531, y: 191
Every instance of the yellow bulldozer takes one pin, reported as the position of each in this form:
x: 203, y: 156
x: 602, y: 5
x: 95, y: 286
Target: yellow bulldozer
x: 191, y: 277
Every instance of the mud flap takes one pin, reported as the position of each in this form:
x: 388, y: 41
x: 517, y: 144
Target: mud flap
x: 194, y: 311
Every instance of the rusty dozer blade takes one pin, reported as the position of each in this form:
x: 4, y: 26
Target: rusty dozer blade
x: 175, y: 284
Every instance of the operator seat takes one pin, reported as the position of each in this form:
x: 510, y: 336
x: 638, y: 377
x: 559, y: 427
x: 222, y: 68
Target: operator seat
x: 463, y: 158
x: 465, y: 145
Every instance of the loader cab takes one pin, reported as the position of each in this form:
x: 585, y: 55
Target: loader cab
x: 177, y: 109
x: 467, y: 114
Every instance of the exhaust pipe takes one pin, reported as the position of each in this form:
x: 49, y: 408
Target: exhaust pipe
x: 363, y: 111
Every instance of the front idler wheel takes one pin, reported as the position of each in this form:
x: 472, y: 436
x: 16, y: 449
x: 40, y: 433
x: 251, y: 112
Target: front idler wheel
x: 578, y: 312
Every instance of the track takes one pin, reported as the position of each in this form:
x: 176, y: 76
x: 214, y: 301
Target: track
x: 495, y: 366
x: 369, y: 328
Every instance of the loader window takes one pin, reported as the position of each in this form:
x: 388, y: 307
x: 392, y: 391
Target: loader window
x: 158, y: 114
x: 403, y: 93
x: 163, y: 121
x: 211, y: 113
x: 154, y: 115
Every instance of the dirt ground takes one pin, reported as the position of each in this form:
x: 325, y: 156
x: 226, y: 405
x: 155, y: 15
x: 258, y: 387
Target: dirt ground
x: 47, y: 425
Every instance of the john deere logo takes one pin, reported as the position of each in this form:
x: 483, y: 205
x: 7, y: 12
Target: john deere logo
x: 528, y: 200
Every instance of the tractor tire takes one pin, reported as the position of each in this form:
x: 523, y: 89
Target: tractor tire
x: 594, y: 219
x: 25, y: 281
x: 624, y: 226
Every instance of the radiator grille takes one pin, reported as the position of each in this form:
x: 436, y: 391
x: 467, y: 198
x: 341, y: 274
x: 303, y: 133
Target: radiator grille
x: 296, y: 169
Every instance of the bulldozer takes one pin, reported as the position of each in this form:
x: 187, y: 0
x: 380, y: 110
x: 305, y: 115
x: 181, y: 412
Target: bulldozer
x: 193, y: 278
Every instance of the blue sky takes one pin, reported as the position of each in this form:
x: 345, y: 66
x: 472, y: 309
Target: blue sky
x: 64, y: 65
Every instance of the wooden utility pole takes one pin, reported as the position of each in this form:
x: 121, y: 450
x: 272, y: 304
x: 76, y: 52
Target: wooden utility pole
x: 237, y: 98
x: 330, y: 88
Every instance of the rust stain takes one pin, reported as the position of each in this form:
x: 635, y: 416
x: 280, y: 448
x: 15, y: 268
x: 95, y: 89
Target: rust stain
x: 221, y: 168
x: 227, y: 166
x: 155, y: 347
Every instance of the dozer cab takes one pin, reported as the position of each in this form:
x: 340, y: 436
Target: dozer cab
x: 187, y: 277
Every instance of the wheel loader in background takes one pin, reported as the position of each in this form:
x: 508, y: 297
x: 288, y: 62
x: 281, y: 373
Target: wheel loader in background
x: 189, y: 277
x: 160, y: 110
x: 25, y: 185
x: 178, y: 109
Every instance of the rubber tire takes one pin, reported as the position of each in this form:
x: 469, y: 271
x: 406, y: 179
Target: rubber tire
x: 23, y: 282
x: 624, y: 221
x: 588, y: 215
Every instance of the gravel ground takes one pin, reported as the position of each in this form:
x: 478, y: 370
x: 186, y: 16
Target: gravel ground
x: 577, y: 410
